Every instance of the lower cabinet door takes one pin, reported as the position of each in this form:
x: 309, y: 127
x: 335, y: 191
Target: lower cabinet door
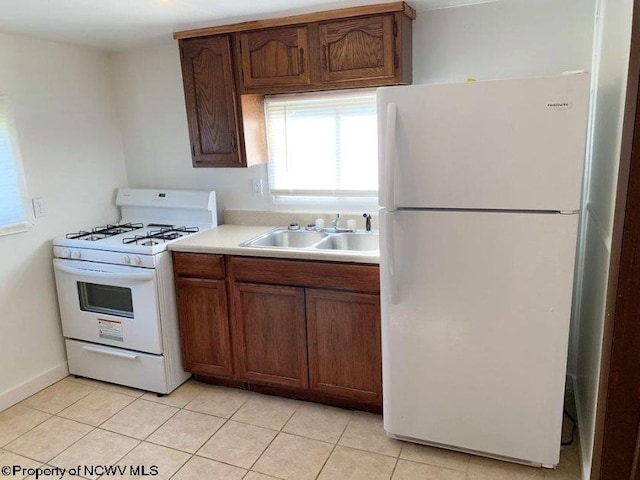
x: 270, y: 335
x: 204, y: 326
x: 344, y: 344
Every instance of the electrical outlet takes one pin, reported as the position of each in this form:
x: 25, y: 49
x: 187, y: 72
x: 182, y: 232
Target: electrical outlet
x: 38, y: 207
x: 256, y: 187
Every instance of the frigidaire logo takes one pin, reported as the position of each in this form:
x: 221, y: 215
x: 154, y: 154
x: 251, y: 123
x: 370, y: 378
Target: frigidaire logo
x: 558, y: 105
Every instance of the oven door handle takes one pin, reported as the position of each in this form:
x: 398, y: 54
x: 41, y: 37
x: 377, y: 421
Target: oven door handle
x: 113, y: 353
x: 140, y: 276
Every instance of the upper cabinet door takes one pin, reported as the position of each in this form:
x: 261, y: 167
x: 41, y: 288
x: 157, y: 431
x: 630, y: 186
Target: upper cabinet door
x: 275, y: 57
x: 211, y: 101
x: 359, y: 48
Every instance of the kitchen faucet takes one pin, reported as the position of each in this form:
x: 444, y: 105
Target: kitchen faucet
x: 335, y: 225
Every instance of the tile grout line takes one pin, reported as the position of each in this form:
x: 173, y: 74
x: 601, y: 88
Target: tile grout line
x: 104, y: 430
x: 3, y: 447
x: 226, y: 420
x: 273, y: 439
x: 97, y: 389
x: 144, y: 440
x: 335, y: 445
x: 395, y: 465
x: 63, y: 408
x: 99, y: 426
x: 90, y: 424
x: 53, y: 415
x: 183, y: 408
x: 72, y: 378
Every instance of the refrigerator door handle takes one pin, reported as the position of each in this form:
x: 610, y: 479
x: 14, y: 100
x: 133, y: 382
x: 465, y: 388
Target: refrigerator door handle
x: 388, y: 249
x: 388, y: 194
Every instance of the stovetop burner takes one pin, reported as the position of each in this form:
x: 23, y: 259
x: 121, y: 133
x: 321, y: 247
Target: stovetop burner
x: 105, y: 231
x: 154, y: 237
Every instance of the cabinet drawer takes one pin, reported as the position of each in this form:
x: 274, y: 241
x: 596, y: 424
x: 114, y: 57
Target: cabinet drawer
x: 124, y: 367
x: 198, y: 265
x: 302, y: 273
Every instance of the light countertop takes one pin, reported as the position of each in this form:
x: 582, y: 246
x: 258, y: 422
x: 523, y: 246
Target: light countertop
x: 225, y: 240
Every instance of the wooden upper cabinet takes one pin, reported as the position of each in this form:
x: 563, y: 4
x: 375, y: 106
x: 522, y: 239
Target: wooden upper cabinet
x: 361, y: 51
x: 212, y: 104
x: 227, y: 70
x: 358, y: 48
x: 274, y: 58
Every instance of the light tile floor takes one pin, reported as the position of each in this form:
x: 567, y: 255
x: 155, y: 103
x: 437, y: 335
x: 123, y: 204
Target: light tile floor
x: 210, y: 432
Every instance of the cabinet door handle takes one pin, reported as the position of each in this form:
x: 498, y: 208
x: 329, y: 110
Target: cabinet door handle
x: 111, y: 353
x: 325, y: 60
x: 301, y: 61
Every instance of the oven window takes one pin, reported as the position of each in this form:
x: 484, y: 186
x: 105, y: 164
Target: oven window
x: 105, y: 299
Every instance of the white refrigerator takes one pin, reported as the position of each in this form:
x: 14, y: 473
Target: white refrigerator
x: 480, y: 188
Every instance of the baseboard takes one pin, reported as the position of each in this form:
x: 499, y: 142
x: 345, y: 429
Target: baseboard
x: 34, y: 385
x: 585, y: 470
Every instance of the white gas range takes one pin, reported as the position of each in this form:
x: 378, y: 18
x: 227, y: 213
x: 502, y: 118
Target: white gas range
x: 116, y: 292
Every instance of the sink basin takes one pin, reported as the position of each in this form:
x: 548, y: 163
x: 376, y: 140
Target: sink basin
x: 284, y: 238
x: 361, y: 242
x: 310, y: 240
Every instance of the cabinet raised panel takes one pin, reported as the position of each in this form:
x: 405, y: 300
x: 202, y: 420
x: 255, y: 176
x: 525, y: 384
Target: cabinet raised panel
x: 211, y: 101
x: 344, y: 344
x: 270, y: 334
x: 274, y: 58
x: 204, y: 326
x: 358, y: 48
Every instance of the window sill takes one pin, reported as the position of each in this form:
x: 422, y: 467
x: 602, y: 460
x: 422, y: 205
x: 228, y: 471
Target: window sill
x: 15, y: 228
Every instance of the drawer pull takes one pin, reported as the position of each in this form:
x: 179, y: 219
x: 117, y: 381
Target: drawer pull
x: 112, y: 353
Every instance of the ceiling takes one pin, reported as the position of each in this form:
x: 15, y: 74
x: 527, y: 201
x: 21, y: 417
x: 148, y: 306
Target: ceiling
x: 122, y: 24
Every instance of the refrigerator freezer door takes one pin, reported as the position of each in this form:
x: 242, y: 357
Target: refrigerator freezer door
x: 504, y: 145
x: 475, y: 342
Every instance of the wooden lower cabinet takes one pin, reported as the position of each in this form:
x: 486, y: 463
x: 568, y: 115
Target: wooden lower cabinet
x: 204, y: 326
x: 343, y: 331
x: 298, y: 328
x: 270, y: 334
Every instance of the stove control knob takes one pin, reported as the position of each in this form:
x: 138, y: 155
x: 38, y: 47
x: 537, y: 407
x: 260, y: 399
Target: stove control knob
x: 65, y: 252
x: 76, y: 254
x: 125, y: 259
x: 137, y: 260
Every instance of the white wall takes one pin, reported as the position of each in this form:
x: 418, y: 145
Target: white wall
x: 491, y: 40
x: 150, y: 99
x: 503, y: 39
x: 611, y: 68
x: 72, y: 154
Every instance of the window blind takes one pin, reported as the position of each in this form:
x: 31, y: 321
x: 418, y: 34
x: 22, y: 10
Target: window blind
x: 12, y: 215
x: 323, y: 144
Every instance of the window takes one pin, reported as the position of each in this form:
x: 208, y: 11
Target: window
x: 12, y: 191
x: 323, y: 144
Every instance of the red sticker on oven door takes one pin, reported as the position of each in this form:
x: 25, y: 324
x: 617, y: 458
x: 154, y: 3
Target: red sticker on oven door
x: 110, y: 329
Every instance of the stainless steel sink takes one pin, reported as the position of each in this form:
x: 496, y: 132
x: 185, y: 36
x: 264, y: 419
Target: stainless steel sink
x: 308, y: 240
x: 361, y: 242
x: 283, y: 238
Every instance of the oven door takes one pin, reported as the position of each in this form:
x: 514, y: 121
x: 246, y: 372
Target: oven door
x: 109, y: 304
